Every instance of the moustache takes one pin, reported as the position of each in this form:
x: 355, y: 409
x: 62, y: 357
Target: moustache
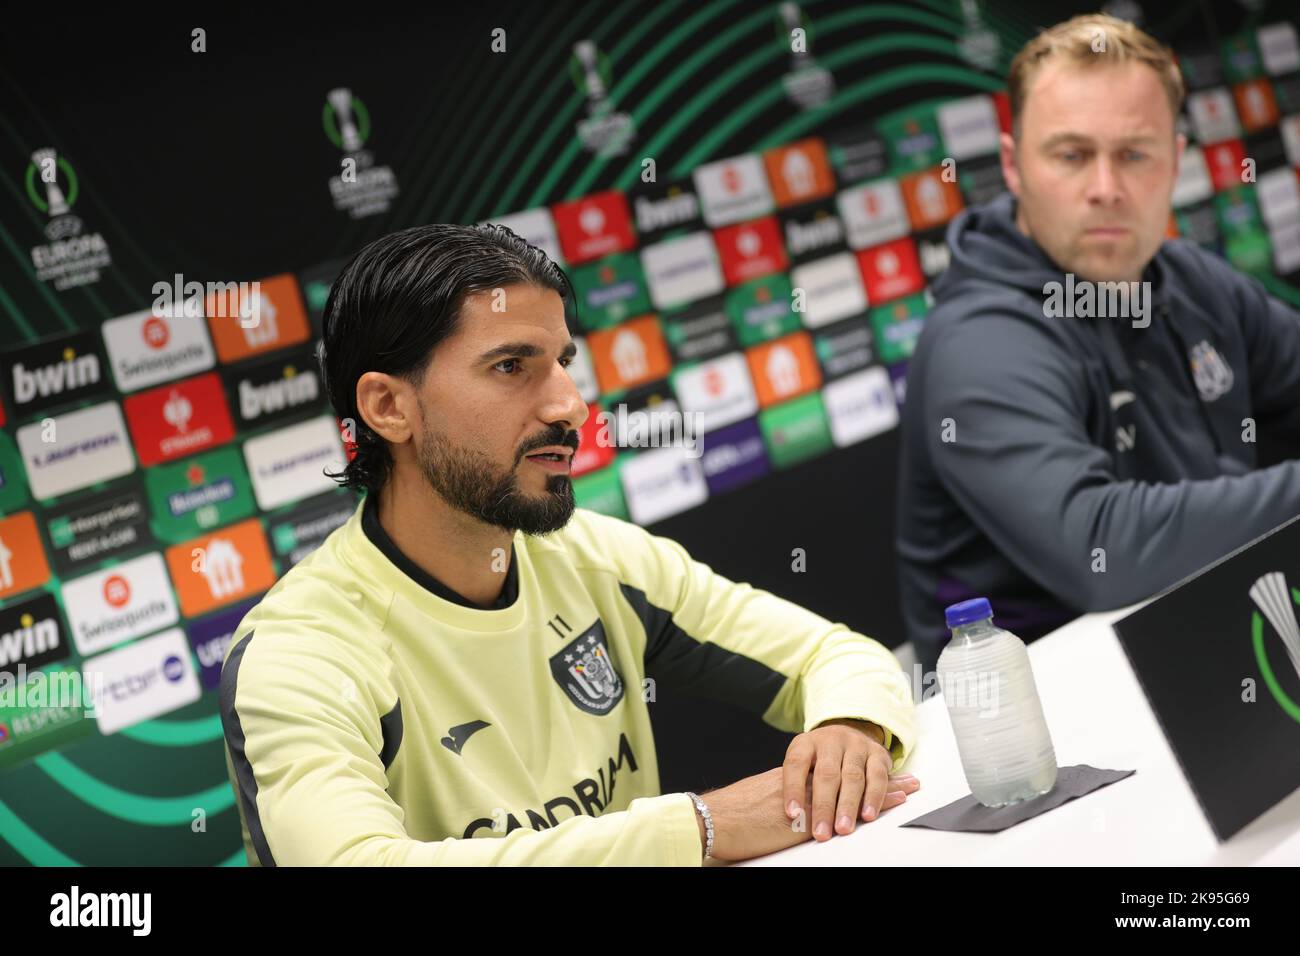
x: 553, y: 436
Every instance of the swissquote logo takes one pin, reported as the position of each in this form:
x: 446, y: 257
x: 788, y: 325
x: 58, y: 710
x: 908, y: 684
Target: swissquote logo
x: 149, y: 347
x: 118, y: 603
x: 1277, y: 600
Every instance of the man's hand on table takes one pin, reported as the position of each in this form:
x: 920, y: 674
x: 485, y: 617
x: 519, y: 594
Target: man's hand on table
x: 833, y: 775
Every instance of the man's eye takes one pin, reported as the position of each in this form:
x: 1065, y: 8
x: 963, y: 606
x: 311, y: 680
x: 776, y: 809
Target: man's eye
x: 566, y: 361
x: 513, y: 363
x: 1135, y: 155
x: 1071, y: 156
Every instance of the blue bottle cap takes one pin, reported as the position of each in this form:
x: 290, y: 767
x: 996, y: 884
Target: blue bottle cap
x: 976, y: 609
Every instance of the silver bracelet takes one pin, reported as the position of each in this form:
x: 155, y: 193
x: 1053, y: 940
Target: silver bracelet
x: 703, y: 810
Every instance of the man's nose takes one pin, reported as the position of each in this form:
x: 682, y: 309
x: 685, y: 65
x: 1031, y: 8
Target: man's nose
x: 1105, y: 185
x: 564, y: 402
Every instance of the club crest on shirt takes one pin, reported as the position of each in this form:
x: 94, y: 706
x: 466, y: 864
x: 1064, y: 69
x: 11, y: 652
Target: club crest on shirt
x: 1213, y: 376
x: 586, y: 672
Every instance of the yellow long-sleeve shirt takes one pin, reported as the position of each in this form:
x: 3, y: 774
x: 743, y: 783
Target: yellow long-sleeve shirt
x: 370, y: 719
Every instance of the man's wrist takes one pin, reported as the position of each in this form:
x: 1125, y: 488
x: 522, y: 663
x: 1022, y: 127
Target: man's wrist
x: 872, y: 730
x: 704, y: 820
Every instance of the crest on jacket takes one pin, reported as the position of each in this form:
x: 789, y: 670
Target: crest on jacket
x: 1213, y: 376
x: 585, y: 670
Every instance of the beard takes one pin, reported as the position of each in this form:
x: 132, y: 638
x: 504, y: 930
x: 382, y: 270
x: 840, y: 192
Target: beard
x: 471, y: 482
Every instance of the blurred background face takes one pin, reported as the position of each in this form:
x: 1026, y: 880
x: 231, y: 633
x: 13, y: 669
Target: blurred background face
x: 1094, y: 166
x: 500, y: 412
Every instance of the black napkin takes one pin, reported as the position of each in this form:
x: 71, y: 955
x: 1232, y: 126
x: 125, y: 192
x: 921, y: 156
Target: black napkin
x: 970, y: 815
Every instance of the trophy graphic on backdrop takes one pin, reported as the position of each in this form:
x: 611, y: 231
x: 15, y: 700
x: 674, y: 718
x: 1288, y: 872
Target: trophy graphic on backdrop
x: 340, y: 100
x: 1272, y: 596
x: 792, y: 17
x: 585, y: 51
x: 57, y: 204
x: 808, y: 84
x: 51, y: 185
x: 979, y: 46
x: 604, y: 131
x: 360, y: 187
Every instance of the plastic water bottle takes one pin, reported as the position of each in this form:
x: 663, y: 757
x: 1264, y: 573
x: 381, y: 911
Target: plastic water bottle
x: 997, y: 718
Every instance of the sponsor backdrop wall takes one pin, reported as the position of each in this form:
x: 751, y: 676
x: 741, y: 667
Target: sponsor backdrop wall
x: 139, y: 431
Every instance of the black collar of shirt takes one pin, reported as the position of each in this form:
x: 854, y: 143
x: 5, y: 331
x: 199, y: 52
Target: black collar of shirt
x: 380, y: 539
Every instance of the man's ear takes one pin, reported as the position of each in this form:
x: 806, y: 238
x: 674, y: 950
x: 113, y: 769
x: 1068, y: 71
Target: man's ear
x: 1010, y: 171
x: 387, y: 404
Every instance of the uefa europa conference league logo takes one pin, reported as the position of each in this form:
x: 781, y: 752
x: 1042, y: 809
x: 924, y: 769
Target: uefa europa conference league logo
x: 71, y: 258
x: 808, y: 84
x: 1277, y: 601
x: 604, y: 131
x: 361, y: 188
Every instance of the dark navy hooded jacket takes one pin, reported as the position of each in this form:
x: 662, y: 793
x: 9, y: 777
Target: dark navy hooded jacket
x: 1039, y: 450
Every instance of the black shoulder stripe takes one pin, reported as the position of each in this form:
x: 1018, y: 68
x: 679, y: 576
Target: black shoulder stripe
x: 391, y: 725
x: 699, y: 668
x: 234, y: 732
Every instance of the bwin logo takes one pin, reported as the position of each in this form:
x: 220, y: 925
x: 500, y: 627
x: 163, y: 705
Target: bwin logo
x: 295, y: 388
x: 103, y: 909
x: 75, y: 371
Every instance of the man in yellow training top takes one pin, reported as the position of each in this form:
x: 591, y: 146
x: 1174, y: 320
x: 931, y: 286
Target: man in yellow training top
x: 455, y: 676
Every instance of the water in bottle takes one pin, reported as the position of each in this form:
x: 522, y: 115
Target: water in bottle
x: 1006, y: 750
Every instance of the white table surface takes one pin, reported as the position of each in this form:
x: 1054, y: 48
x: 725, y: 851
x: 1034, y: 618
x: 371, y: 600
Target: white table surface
x: 1097, y: 715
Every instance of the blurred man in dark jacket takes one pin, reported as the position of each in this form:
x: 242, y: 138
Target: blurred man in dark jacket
x: 1080, y: 424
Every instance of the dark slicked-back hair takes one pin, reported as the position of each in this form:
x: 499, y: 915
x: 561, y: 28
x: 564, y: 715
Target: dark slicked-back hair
x: 397, y: 299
